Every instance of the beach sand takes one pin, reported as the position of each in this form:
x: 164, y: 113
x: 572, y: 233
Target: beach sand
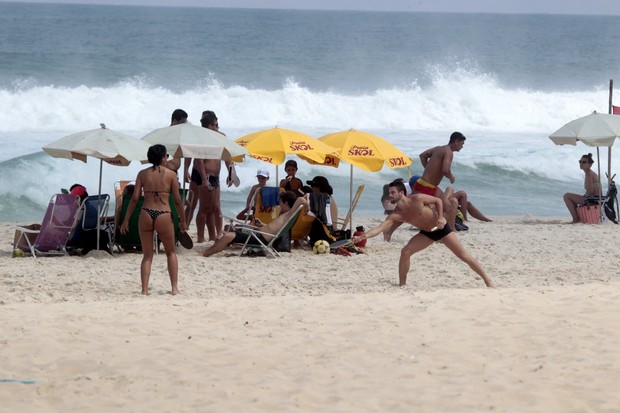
x: 322, y: 332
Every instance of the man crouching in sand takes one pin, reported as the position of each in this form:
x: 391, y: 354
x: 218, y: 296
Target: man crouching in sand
x: 289, y: 202
x: 424, y: 212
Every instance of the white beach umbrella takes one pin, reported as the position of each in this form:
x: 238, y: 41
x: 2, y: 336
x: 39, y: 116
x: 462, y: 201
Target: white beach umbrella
x: 596, y: 129
x: 104, y: 144
x: 190, y: 141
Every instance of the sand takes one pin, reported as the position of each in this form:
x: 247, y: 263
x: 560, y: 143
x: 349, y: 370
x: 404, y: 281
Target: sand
x: 329, y: 333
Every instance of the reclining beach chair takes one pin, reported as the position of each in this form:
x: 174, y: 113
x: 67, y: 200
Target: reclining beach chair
x: 60, y: 219
x: 256, y: 237
x: 345, y: 222
x: 92, y: 218
x: 301, y: 228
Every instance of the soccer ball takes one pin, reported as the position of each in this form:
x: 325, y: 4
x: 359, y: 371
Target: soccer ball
x: 321, y: 247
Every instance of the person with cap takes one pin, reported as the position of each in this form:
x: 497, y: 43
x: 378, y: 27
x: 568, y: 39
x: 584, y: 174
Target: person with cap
x: 262, y: 175
x: 79, y: 191
x: 322, y: 194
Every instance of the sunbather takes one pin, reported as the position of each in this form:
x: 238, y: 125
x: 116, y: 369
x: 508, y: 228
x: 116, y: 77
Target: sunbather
x: 288, y: 204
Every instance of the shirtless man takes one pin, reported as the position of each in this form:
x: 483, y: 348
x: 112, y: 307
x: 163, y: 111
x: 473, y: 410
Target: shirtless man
x: 179, y: 116
x: 437, y: 162
x: 289, y: 202
x: 209, y: 211
x: 426, y: 213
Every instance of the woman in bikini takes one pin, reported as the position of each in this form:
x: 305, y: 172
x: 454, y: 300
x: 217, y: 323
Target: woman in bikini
x: 591, y: 186
x: 157, y: 183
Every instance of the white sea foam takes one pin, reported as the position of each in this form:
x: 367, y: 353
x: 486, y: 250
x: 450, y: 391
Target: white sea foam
x: 507, y: 129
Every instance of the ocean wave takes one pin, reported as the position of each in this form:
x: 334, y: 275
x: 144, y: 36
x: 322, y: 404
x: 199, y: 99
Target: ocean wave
x: 458, y: 98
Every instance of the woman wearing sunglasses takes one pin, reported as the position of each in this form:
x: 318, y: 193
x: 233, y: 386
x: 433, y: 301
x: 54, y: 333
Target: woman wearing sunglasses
x: 591, y: 184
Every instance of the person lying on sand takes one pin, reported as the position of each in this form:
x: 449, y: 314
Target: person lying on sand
x: 424, y: 212
x: 288, y: 204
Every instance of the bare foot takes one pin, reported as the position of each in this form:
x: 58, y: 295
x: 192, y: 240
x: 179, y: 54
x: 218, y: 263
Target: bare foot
x: 145, y: 292
x: 174, y: 291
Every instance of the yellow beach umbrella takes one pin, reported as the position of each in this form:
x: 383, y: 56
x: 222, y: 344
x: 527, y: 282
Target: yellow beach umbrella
x: 363, y: 150
x: 273, y: 145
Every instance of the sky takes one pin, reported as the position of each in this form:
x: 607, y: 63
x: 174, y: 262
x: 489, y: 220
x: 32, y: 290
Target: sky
x: 604, y: 7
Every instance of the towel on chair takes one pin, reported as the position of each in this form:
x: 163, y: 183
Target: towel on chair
x: 270, y: 196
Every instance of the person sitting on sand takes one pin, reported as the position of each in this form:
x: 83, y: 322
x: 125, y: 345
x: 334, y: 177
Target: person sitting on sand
x: 466, y: 207
x: 288, y: 204
x: 424, y: 212
x: 156, y: 183
x: 591, y: 184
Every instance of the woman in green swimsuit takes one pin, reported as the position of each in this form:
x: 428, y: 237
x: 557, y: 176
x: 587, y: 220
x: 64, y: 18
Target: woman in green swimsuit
x: 156, y: 183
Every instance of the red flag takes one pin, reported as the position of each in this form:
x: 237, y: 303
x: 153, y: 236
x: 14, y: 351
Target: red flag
x: 615, y: 110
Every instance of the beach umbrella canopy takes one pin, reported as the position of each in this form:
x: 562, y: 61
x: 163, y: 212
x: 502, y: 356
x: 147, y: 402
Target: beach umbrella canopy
x: 363, y: 150
x: 104, y: 144
x: 190, y: 141
x: 596, y: 129
x: 273, y: 145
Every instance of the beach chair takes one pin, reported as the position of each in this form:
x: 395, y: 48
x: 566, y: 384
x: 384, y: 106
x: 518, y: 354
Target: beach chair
x: 267, y: 203
x: 61, y: 217
x: 301, y: 227
x: 343, y: 223
x: 92, y: 221
x: 256, y: 237
x: 131, y: 239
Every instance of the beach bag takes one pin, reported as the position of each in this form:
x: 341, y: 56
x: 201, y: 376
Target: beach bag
x: 320, y: 231
x: 283, y: 242
x: 612, y: 194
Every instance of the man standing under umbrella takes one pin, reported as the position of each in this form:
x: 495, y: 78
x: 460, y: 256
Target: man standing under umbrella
x: 209, y: 210
x: 437, y: 163
x: 178, y: 117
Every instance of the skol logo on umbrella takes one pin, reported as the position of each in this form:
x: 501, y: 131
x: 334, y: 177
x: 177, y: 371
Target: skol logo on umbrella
x: 394, y: 162
x: 330, y: 160
x: 242, y: 142
x: 263, y: 158
x: 300, y: 146
x: 360, y: 151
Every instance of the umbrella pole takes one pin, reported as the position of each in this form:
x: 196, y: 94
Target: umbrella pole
x: 598, y: 158
x: 608, y: 167
x: 99, y: 202
x: 350, y: 199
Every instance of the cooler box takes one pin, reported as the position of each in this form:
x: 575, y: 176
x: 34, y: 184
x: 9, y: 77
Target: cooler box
x: 589, y: 214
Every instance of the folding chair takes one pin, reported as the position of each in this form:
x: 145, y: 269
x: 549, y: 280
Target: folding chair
x: 256, y: 238
x: 61, y: 217
x: 92, y: 218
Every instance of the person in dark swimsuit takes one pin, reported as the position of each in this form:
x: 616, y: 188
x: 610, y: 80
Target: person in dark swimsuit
x: 426, y: 213
x: 157, y: 183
